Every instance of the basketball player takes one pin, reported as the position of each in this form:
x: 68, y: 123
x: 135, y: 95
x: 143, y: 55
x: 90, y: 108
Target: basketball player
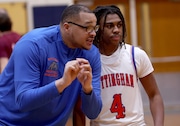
x: 122, y: 103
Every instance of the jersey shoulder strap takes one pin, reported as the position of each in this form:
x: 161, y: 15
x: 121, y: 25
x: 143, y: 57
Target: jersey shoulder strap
x: 134, y: 63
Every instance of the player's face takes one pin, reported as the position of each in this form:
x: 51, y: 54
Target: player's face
x: 113, y: 30
x: 83, y: 31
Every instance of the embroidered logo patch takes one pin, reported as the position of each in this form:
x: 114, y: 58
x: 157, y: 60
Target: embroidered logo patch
x: 52, y: 70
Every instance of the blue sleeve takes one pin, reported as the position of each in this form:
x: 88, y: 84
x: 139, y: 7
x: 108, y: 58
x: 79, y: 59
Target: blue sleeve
x: 92, y: 104
x: 29, y: 92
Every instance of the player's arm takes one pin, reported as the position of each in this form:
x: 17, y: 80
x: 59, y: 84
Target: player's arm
x: 145, y: 73
x: 155, y: 99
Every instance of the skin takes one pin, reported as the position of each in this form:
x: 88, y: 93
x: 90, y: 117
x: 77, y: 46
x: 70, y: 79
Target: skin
x: 77, y: 37
x: 86, y: 19
x: 111, y: 36
x: 3, y: 62
x: 155, y: 99
x: 110, y: 41
x: 2, y: 10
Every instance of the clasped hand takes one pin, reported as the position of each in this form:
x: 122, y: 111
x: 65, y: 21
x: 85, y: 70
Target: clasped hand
x: 79, y: 68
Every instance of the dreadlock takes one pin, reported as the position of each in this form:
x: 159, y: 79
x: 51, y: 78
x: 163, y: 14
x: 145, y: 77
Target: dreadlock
x: 102, y: 12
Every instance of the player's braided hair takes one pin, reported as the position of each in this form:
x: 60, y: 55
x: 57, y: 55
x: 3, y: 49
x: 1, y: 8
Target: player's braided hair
x: 102, y: 12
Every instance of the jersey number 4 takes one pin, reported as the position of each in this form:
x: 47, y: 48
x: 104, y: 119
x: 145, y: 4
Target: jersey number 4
x: 117, y: 106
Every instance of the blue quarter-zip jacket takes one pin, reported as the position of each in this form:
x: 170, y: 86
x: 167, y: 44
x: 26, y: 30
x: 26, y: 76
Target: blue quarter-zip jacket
x: 28, y: 95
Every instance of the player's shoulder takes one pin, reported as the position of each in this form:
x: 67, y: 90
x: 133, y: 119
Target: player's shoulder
x: 137, y: 49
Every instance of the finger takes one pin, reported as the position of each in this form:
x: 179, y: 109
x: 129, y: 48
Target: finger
x: 85, y: 67
x: 73, y: 65
x: 82, y: 61
x: 84, y: 75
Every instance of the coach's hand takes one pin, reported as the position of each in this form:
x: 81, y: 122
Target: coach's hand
x: 71, y: 71
x: 85, y: 75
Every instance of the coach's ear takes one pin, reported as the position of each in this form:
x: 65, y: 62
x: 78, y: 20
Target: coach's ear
x: 78, y: 116
x: 66, y: 26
